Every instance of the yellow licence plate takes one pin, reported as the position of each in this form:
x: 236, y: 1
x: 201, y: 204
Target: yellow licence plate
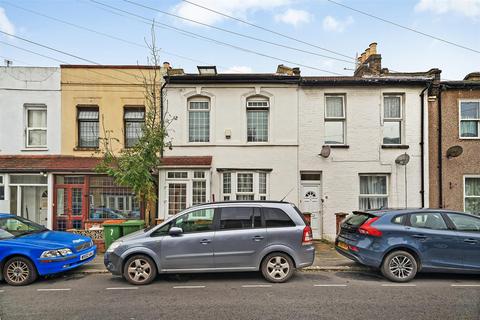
x: 343, y: 245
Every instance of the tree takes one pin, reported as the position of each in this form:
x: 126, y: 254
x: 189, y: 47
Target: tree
x: 137, y: 167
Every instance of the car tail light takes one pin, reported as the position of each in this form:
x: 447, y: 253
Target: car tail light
x: 367, y: 228
x: 307, y: 238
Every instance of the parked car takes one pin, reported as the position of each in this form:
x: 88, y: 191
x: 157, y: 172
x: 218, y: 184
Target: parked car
x: 105, y: 213
x: 29, y: 250
x: 218, y: 237
x: 403, y: 242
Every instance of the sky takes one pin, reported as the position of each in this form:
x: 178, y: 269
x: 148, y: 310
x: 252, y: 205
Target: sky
x: 323, y: 36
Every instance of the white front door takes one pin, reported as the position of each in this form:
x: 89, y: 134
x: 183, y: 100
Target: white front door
x: 43, y: 207
x: 311, y: 203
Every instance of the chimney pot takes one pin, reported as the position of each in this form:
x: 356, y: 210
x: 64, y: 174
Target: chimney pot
x: 166, y: 65
x: 373, y: 48
x: 363, y: 57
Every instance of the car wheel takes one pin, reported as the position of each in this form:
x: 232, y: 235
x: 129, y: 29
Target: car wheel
x: 399, y: 266
x: 140, y: 270
x: 277, y: 267
x: 19, y: 271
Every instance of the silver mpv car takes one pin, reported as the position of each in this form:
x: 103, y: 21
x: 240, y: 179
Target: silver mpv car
x: 218, y: 237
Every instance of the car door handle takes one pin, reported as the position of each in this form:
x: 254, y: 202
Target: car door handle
x: 205, y: 241
x: 472, y: 241
x: 258, y: 238
x: 419, y: 236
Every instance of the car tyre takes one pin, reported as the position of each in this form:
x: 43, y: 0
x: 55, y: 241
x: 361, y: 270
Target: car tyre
x: 277, y: 267
x: 140, y: 270
x: 19, y: 271
x: 399, y: 266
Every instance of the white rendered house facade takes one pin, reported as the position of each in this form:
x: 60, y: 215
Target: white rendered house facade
x: 29, y: 126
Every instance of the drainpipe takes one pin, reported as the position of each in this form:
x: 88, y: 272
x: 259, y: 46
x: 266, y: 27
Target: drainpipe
x: 162, y: 108
x: 440, y: 151
x: 422, y: 143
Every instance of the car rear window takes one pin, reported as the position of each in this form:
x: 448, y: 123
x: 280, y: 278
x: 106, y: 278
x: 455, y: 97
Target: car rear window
x: 357, y: 219
x: 276, y: 218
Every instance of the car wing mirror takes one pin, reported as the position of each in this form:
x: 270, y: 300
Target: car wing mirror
x: 175, y: 231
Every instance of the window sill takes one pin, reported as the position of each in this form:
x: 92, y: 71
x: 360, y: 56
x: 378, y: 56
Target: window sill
x: 86, y: 149
x: 337, y: 146
x: 34, y: 149
x: 395, y: 146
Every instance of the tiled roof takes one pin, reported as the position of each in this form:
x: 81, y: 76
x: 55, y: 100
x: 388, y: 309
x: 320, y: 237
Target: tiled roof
x: 58, y: 163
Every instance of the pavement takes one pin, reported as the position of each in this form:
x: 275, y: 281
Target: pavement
x: 326, y: 259
x: 308, y: 295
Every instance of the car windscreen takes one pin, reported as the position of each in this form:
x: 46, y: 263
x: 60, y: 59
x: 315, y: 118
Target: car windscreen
x: 15, y: 227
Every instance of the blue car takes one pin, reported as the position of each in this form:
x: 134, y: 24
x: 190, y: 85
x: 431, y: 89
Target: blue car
x: 29, y: 250
x: 403, y: 242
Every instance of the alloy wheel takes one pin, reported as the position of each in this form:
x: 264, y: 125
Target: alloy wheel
x: 278, y: 267
x: 139, y: 270
x: 401, y: 266
x: 18, y: 272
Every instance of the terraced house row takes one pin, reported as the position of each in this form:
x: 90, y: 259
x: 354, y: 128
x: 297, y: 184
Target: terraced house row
x: 328, y: 144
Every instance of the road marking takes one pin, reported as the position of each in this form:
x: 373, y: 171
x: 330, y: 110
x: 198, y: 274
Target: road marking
x: 329, y: 285
x: 257, y: 286
x: 55, y: 289
x: 122, y: 288
x: 465, y: 285
x: 188, y: 287
x: 399, y: 285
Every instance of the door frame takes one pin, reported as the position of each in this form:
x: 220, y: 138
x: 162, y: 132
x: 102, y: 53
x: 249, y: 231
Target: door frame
x: 68, y: 188
x: 316, y: 184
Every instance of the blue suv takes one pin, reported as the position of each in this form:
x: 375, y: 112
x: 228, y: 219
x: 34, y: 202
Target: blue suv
x: 404, y: 242
x: 29, y: 250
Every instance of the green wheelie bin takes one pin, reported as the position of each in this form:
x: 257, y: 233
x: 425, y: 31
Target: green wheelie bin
x: 111, y: 232
x: 132, y: 226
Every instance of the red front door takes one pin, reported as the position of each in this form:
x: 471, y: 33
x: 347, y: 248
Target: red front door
x: 69, y: 207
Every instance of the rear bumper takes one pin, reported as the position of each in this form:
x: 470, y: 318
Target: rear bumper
x: 364, y: 255
x: 52, y: 266
x: 306, y: 257
x: 113, y: 263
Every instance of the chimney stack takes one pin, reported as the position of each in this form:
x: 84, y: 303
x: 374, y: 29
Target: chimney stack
x: 370, y: 62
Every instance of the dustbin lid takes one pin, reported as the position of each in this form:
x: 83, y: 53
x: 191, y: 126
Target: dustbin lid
x: 134, y: 222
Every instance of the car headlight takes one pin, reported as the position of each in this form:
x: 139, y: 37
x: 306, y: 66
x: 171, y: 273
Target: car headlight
x: 114, y: 246
x: 56, y: 253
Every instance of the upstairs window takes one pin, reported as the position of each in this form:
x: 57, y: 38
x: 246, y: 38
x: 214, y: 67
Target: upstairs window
x: 199, y: 120
x: 88, y: 126
x: 257, y: 120
x: 335, y: 119
x: 470, y: 119
x: 36, y: 126
x: 392, y: 119
x: 134, y: 118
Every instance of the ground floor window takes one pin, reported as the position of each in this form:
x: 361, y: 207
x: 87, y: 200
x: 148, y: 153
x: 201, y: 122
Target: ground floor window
x: 373, y: 191
x: 472, y: 195
x: 244, y: 185
x: 29, y: 197
x: 2, y: 189
x: 186, y: 188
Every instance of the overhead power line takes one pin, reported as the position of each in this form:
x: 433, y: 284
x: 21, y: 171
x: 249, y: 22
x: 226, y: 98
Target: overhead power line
x: 403, y: 27
x: 268, y: 30
x: 100, y: 33
x: 196, y: 35
x: 238, y: 33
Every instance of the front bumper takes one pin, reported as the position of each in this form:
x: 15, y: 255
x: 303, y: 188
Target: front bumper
x: 113, y: 263
x: 56, y: 265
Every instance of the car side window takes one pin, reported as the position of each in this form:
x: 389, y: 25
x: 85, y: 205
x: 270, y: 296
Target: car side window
x: 162, y: 231
x: 399, y: 219
x: 239, y: 218
x: 196, y: 221
x: 428, y: 220
x: 465, y: 223
x: 277, y: 218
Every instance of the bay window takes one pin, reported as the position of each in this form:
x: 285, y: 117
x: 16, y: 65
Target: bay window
x: 244, y: 185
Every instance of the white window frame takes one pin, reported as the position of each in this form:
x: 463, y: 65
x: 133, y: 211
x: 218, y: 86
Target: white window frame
x: 233, y: 195
x: 460, y: 120
x: 253, y: 108
x: 199, y: 99
x: 35, y: 107
x: 400, y: 119
x: 2, y: 184
x: 188, y: 181
x: 336, y: 119
x: 464, y: 185
x: 375, y: 195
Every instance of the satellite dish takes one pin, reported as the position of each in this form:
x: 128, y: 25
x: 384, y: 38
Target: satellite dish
x: 402, y: 159
x: 325, y: 151
x: 454, y: 151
